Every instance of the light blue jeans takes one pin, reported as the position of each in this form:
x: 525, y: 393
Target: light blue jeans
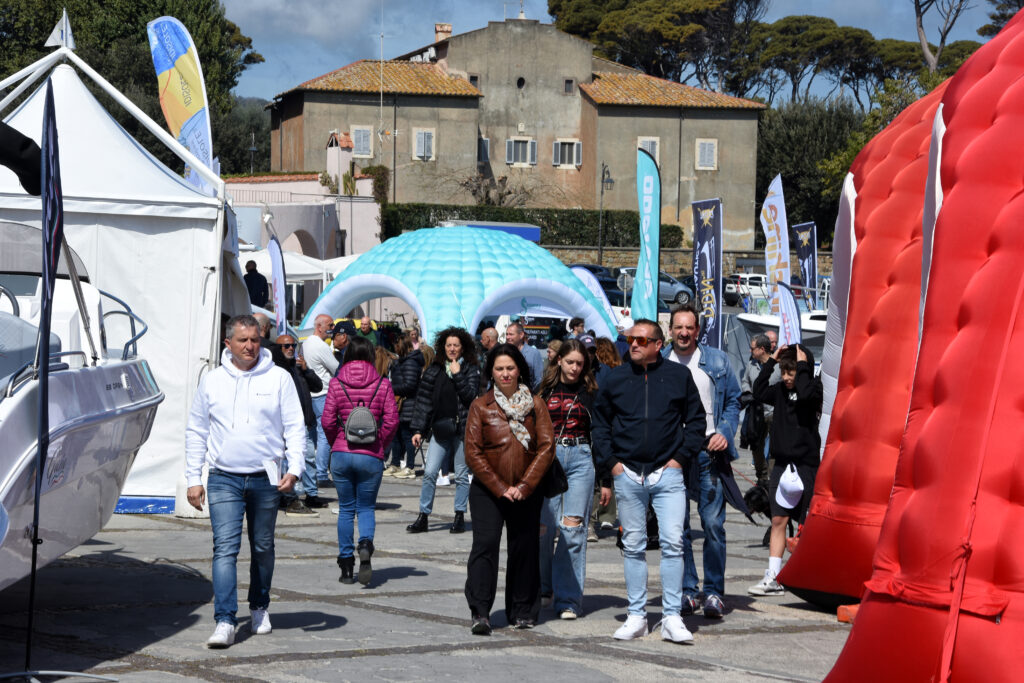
x: 323, y: 449
x: 437, y: 454
x: 232, y: 497
x: 711, y: 507
x: 563, y: 567
x: 668, y: 497
x: 357, y: 480
x: 307, y: 484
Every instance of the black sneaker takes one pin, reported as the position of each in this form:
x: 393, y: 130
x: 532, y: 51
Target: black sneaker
x: 365, y: 551
x: 689, y: 606
x: 297, y: 509
x: 481, y: 626
x: 316, y: 502
x: 524, y: 624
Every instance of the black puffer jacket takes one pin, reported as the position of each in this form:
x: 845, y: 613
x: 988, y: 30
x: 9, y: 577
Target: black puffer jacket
x: 466, y: 384
x: 306, y: 381
x: 405, y: 378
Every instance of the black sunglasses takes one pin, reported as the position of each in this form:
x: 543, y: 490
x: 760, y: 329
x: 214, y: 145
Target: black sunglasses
x: 287, y: 346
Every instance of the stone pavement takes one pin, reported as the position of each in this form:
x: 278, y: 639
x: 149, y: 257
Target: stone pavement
x: 136, y: 602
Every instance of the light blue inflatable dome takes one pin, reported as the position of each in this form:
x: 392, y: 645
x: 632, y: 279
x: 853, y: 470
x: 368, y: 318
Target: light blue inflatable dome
x: 461, y: 275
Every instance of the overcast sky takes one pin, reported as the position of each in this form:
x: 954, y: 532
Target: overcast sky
x: 303, y: 39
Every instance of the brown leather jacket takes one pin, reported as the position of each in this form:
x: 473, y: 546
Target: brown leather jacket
x: 494, y: 454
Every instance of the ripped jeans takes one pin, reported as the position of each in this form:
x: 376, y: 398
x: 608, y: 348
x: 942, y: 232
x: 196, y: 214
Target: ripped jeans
x: 563, y: 567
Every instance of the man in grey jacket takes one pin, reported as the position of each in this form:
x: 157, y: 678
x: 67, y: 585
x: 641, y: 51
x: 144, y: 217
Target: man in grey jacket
x: 246, y: 425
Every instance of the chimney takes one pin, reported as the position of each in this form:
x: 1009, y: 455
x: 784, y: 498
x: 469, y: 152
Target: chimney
x: 442, y: 32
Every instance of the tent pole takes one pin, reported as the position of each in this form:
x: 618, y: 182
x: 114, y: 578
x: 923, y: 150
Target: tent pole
x: 194, y: 163
x: 24, y: 85
x: 41, y: 63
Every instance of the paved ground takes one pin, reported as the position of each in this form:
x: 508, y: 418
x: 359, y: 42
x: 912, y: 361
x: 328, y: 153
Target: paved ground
x: 136, y: 603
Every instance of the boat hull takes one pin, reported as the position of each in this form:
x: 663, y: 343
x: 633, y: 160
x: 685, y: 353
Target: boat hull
x: 99, y: 418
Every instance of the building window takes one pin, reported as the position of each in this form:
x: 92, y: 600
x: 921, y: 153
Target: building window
x: 706, y: 156
x: 567, y: 153
x: 521, y: 152
x: 569, y: 88
x: 474, y: 80
x: 649, y: 145
x: 483, y: 150
x: 362, y: 142
x: 424, y: 144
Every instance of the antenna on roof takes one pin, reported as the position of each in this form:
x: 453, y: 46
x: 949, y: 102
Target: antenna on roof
x: 522, y: 14
x: 381, y: 132
x: 61, y: 35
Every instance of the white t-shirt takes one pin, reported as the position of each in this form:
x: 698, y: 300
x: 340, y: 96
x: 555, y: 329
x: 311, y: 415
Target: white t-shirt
x: 703, y: 382
x: 320, y: 359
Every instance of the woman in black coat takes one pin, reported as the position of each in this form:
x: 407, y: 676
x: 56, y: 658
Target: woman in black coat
x: 405, y: 379
x: 446, y: 390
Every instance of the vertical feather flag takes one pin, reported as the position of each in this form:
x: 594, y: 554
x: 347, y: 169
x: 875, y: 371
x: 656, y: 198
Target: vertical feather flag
x: 182, y: 92
x: 644, y: 303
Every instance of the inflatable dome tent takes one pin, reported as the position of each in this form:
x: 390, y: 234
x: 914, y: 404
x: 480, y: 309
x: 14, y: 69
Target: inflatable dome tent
x: 458, y: 276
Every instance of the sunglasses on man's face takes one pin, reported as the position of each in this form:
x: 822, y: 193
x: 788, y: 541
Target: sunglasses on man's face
x: 287, y: 346
x: 640, y: 341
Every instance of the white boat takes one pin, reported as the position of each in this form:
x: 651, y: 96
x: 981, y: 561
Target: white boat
x: 812, y: 328
x: 102, y: 402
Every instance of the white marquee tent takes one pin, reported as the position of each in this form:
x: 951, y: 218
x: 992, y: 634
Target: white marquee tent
x: 146, y: 237
x: 298, y: 267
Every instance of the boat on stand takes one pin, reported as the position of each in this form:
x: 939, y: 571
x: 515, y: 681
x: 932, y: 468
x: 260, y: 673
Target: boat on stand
x: 103, y: 399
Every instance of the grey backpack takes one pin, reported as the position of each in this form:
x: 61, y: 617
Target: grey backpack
x: 360, y: 425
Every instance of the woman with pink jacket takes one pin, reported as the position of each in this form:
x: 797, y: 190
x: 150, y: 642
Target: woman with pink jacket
x: 357, y: 467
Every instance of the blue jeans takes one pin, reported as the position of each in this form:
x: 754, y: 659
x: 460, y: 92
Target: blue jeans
x: 711, y: 507
x: 668, y: 499
x: 307, y: 484
x: 323, y: 449
x: 563, y: 568
x: 357, y: 480
x: 232, y: 496
x: 402, y: 448
x: 438, y: 453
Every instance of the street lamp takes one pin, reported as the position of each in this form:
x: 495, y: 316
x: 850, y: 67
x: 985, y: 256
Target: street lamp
x: 606, y: 181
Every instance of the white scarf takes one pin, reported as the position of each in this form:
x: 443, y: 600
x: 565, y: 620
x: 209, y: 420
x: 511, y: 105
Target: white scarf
x: 516, y: 409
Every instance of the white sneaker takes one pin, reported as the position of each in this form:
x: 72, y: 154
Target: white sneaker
x: 443, y: 480
x: 767, y: 586
x: 568, y: 614
x: 673, y: 628
x: 223, y: 636
x: 635, y: 627
x: 260, y: 624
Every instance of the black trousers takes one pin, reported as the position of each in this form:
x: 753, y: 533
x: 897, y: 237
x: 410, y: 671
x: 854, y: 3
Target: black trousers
x: 522, y: 575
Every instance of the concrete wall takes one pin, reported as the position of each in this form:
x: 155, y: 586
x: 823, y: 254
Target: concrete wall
x: 676, y: 262
x: 536, y: 107
x: 619, y: 129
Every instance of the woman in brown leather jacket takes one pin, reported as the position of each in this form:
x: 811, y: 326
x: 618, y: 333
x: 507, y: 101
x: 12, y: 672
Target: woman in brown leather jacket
x: 509, y: 447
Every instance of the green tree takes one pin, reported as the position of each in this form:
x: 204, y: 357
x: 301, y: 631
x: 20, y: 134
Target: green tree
x: 792, y: 139
x: 111, y: 37
x: 245, y: 126
x: 1002, y: 11
x: 796, y: 46
x: 948, y: 11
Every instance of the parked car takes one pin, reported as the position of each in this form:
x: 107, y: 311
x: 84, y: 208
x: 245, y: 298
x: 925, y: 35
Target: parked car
x: 599, y: 271
x: 618, y: 300
x: 739, y: 285
x: 669, y: 288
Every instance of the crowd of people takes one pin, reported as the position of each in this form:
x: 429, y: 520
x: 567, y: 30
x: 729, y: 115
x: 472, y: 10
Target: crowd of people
x: 545, y: 448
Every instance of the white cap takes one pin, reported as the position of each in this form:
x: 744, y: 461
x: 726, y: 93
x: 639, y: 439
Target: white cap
x: 791, y: 488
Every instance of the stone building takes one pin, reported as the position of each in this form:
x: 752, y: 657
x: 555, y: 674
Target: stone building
x: 523, y: 101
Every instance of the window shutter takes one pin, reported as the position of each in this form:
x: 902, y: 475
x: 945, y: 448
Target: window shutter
x: 483, y: 150
x: 533, y: 152
x: 419, y: 144
x: 428, y: 145
x: 510, y: 151
x: 554, y: 153
x: 579, y: 154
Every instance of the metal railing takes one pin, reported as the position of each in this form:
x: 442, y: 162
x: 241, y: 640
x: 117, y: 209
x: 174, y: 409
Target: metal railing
x: 132, y: 318
x: 15, y: 308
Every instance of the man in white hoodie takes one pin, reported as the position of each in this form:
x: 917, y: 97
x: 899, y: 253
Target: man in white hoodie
x: 247, y: 425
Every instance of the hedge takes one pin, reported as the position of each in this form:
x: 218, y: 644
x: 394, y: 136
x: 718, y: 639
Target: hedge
x: 568, y: 227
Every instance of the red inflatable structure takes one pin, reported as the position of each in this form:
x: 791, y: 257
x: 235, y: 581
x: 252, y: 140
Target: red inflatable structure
x: 833, y: 558
x: 945, y: 600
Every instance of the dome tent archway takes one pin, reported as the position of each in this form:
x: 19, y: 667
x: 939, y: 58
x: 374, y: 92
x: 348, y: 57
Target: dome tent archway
x: 459, y: 275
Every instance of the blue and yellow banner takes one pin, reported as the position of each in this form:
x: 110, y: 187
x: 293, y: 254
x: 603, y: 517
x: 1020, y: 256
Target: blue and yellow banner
x: 644, y: 303
x: 182, y: 92
x: 707, y: 269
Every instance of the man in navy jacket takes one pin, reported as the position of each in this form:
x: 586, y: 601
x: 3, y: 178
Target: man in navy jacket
x: 648, y: 420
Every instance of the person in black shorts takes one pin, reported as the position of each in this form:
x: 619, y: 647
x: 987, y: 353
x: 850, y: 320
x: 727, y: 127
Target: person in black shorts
x: 794, y: 441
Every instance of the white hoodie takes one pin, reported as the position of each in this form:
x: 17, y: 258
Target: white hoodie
x: 239, y: 418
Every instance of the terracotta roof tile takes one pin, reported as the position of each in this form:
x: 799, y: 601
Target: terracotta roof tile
x: 274, y: 178
x: 402, y: 78
x: 643, y: 90
x: 344, y: 140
